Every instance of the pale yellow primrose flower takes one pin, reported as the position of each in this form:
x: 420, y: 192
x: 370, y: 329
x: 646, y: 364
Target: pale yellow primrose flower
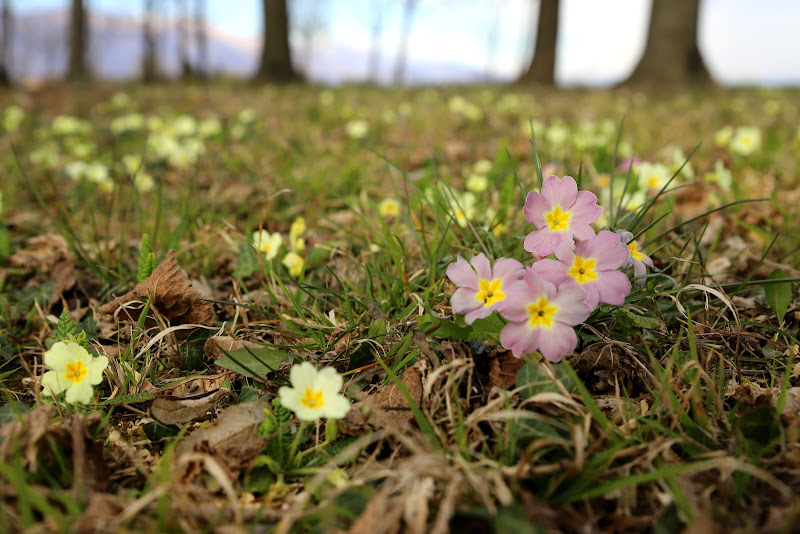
x: 389, y: 207
x: 294, y: 263
x: 297, y: 229
x: 477, y: 183
x: 267, y: 243
x: 74, y: 370
x: 357, y: 128
x: 723, y: 136
x: 653, y: 175
x: 314, y: 394
x: 482, y: 166
x: 746, y: 140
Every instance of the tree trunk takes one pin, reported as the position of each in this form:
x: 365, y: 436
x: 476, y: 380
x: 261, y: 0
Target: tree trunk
x: 671, y: 56
x: 5, y: 44
x: 542, y: 68
x: 373, y: 69
x: 402, y: 51
x: 183, y: 40
x: 77, y: 70
x: 276, y: 56
x: 201, y: 38
x: 149, y: 55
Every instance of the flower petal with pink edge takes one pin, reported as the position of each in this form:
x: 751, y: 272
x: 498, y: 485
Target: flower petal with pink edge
x: 607, y: 249
x: 535, y: 208
x: 508, y: 269
x: 573, y: 304
x: 614, y: 287
x: 463, y: 301
x: 482, y: 266
x: 560, y: 191
x: 554, y: 271
x: 461, y: 274
x: 557, y: 342
x: 519, y: 339
x: 514, y: 307
x: 541, y: 242
x: 480, y: 313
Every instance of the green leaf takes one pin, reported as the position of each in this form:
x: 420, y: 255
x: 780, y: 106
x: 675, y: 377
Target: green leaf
x: 513, y: 519
x: 66, y: 328
x: 134, y: 398
x: 488, y: 328
x: 538, y: 381
x: 246, y: 261
x: 778, y: 294
x: 156, y: 431
x: 12, y: 409
x: 638, y: 321
x: 147, y: 259
x: 252, y: 362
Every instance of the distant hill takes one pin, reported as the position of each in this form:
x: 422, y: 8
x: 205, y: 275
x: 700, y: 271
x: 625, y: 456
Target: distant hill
x: 39, y: 51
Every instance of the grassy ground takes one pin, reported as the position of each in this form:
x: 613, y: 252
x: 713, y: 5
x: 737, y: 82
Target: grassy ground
x: 679, y: 409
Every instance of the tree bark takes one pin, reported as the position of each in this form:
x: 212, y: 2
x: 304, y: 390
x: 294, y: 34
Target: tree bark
x: 402, y: 51
x: 542, y: 68
x: 78, y: 70
x: 5, y: 44
x: 150, y: 72
x: 671, y: 56
x: 201, y: 38
x: 276, y: 55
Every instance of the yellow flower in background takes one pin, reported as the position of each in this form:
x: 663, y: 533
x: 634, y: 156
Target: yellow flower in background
x: 143, y: 182
x: 132, y: 163
x: 12, y: 118
x: 298, y: 228
x: 477, y: 183
x: 482, y: 166
x: 389, y: 207
x: 269, y: 244
x: 74, y: 370
x: 294, y: 263
x: 357, y: 128
x: 746, y: 140
x: 721, y: 176
x: 723, y: 136
x: 653, y: 175
x: 314, y: 394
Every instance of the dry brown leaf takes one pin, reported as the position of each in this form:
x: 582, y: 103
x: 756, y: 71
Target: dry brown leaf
x: 235, y: 426
x: 33, y: 436
x: 62, y: 275
x: 503, y: 369
x: 172, y: 295
x: 177, y: 410
x: 387, y: 407
x: 755, y: 396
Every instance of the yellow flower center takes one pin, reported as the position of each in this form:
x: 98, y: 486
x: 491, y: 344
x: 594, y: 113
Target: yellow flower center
x: 266, y: 248
x: 542, y: 313
x: 490, y: 291
x: 76, y: 371
x: 557, y: 219
x: 312, y: 399
x: 583, y: 269
x: 634, y: 249
x: 653, y: 181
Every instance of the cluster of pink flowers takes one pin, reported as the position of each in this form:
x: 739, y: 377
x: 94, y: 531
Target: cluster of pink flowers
x: 543, y: 303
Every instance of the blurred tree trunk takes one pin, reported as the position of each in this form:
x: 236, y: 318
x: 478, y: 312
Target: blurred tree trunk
x: 373, y: 69
x: 183, y: 40
x: 78, y: 70
x: 671, y: 56
x: 201, y: 38
x: 5, y: 44
x: 150, y: 72
x: 276, y: 55
x: 400, y: 63
x: 542, y: 68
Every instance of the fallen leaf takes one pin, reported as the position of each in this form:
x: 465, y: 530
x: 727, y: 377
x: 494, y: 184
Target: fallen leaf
x: 172, y: 295
x: 177, y: 410
x: 235, y: 425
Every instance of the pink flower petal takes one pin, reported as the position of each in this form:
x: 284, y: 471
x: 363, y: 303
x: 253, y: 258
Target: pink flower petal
x: 560, y: 191
x: 515, y: 305
x: 607, y: 249
x: 461, y: 274
x: 508, y: 269
x: 573, y: 307
x: 554, y: 271
x: 557, y: 342
x: 535, y: 208
x: 541, y: 242
x: 480, y: 313
x: 463, y: 301
x: 614, y: 288
x: 482, y: 266
x: 518, y: 338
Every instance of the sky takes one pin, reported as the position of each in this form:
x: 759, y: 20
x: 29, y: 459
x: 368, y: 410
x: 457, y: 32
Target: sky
x: 742, y: 42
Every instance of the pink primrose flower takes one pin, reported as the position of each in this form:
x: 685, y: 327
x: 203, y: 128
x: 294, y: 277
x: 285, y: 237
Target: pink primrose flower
x: 594, y: 265
x: 559, y: 212
x: 481, y: 288
x: 541, y: 317
x: 636, y: 258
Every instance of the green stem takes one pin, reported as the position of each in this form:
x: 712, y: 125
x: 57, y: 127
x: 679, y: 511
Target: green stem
x: 296, y: 441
